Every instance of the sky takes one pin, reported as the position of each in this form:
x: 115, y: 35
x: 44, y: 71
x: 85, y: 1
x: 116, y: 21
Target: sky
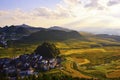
x: 73, y: 14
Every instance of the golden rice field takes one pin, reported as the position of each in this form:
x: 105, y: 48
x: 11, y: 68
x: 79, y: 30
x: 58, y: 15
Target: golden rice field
x: 74, y: 73
x: 92, y: 62
x: 113, y: 74
x: 80, y: 51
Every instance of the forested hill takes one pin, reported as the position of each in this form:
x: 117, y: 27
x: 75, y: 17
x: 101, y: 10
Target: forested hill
x: 52, y: 35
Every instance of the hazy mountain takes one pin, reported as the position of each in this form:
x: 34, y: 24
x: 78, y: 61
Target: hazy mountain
x: 13, y: 32
x: 59, y: 28
x: 26, y: 33
x: 101, y: 30
x: 18, y: 31
x: 14, y: 28
x: 31, y: 28
x: 106, y: 36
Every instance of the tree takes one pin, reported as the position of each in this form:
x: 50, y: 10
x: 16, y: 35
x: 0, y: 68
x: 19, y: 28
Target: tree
x: 47, y: 50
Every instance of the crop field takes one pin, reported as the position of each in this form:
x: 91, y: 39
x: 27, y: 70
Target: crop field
x: 113, y: 74
x: 82, y: 59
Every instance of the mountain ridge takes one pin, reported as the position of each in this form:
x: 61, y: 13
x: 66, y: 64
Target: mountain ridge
x: 26, y: 33
x: 51, y: 35
x: 59, y: 28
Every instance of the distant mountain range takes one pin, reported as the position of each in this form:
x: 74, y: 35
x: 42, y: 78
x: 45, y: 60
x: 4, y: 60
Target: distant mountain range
x: 106, y: 36
x: 17, y: 31
x: 59, y: 28
x: 25, y: 33
x: 101, y: 30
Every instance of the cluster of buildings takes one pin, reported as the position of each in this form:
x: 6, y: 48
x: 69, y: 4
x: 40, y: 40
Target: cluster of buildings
x: 27, y: 64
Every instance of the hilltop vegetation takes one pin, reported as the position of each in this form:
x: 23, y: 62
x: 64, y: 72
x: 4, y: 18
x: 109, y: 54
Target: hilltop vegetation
x: 47, y: 50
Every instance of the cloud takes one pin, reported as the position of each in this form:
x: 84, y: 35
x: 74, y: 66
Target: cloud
x: 95, y: 4
x: 72, y: 2
x: 59, y: 12
x: 113, y: 2
x: 2, y: 13
x: 92, y: 3
x: 69, y: 13
x: 42, y: 12
x: 95, y: 21
x: 40, y: 16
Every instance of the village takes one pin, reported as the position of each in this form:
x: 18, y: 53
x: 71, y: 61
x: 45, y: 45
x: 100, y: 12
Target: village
x: 26, y: 65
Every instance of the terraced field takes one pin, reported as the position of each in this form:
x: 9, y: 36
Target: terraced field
x: 72, y: 72
x: 82, y: 59
x: 80, y: 51
x: 113, y: 74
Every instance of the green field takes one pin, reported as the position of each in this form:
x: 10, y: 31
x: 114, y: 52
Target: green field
x: 82, y: 59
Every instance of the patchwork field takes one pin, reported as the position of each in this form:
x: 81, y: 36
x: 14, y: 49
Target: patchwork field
x: 82, y: 59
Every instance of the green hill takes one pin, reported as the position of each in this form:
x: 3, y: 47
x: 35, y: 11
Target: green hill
x: 52, y: 35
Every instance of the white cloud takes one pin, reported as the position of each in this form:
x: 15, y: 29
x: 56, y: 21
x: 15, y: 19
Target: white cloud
x: 113, y: 2
x: 92, y: 3
x: 72, y: 2
x: 2, y: 13
x: 70, y: 13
